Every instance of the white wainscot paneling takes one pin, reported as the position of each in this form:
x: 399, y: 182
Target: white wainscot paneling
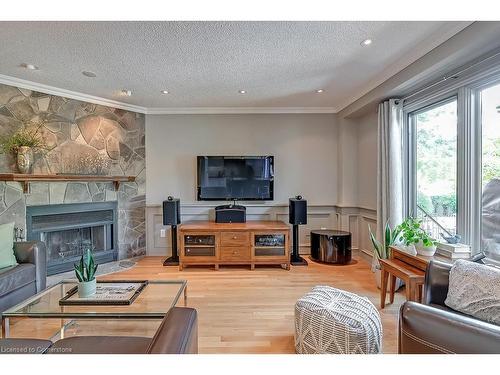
x: 352, y: 219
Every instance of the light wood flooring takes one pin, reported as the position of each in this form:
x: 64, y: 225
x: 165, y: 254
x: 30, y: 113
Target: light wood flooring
x: 244, y: 311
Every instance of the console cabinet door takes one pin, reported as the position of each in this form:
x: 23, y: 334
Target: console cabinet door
x: 198, y: 247
x: 270, y: 246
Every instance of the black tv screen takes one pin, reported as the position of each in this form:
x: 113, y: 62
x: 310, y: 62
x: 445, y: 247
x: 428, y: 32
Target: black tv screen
x: 235, y: 178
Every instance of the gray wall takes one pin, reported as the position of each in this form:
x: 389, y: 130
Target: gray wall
x: 304, y: 146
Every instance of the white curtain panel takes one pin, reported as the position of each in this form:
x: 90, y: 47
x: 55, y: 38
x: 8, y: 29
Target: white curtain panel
x: 389, y: 165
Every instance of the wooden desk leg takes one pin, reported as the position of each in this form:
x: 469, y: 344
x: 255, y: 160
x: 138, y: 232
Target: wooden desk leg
x: 392, y: 287
x: 384, y: 275
x: 420, y: 288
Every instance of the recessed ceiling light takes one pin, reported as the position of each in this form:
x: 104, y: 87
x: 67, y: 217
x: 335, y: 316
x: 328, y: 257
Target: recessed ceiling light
x: 164, y: 92
x: 29, y: 66
x: 126, y: 92
x: 319, y: 91
x: 90, y: 74
x: 366, y: 42
x: 242, y: 91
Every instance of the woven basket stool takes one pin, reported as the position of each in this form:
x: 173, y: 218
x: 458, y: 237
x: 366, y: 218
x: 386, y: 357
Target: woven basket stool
x: 329, y: 320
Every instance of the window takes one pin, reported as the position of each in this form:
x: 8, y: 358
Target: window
x: 435, y: 167
x: 452, y: 156
x: 490, y: 171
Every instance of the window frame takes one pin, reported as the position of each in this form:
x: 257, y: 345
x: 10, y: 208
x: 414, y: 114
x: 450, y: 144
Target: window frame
x: 466, y: 87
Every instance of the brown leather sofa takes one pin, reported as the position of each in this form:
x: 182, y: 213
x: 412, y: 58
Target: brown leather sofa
x: 177, y: 334
x: 432, y: 327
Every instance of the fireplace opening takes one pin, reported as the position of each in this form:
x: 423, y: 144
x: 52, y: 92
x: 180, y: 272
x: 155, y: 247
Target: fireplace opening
x: 68, y: 230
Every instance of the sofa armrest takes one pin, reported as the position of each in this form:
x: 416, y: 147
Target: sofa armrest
x: 177, y: 334
x: 33, y: 252
x: 437, y: 278
x: 426, y: 329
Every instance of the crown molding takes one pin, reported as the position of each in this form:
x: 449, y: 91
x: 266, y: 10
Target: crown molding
x: 51, y: 90
x: 236, y: 110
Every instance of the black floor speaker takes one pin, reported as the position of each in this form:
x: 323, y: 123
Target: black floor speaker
x: 172, y: 217
x: 297, y: 215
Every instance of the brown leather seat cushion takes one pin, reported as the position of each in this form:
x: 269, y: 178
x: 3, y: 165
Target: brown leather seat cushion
x: 100, y: 345
x: 24, y: 346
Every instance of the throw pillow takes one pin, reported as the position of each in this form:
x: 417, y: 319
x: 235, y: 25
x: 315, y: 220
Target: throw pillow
x: 7, y: 257
x: 474, y: 289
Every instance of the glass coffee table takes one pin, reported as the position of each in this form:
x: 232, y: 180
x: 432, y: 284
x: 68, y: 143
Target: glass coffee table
x: 153, y: 303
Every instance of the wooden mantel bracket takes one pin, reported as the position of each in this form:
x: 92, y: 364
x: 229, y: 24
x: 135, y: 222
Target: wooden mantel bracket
x: 26, y: 179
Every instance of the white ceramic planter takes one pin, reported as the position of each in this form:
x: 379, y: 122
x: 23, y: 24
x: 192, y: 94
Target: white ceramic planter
x: 87, y: 288
x: 425, y: 251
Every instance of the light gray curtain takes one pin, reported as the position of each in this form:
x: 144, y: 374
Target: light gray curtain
x: 389, y: 165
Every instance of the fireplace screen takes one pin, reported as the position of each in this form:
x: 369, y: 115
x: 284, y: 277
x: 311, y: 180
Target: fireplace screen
x: 74, y: 242
x: 68, y: 230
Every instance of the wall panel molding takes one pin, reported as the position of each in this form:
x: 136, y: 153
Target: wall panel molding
x: 328, y: 216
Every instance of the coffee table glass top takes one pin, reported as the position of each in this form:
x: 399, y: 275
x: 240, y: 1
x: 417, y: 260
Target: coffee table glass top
x: 157, y: 298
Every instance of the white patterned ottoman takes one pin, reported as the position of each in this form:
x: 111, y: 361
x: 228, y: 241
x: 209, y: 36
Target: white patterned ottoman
x: 329, y: 320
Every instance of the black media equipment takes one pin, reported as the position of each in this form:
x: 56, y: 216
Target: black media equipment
x: 172, y: 217
x: 297, y: 212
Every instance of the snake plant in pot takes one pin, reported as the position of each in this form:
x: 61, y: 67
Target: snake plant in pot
x: 85, y: 273
x: 383, y: 250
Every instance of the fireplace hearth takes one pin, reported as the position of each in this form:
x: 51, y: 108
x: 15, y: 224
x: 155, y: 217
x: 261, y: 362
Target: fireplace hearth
x: 68, y: 230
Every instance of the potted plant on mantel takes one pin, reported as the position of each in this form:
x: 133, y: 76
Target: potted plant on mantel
x: 23, y: 143
x: 383, y: 251
x: 85, y: 273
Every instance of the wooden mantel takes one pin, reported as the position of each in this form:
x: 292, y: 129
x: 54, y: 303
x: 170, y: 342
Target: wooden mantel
x: 25, y: 179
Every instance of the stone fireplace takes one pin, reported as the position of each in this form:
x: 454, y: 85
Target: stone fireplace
x: 75, y: 131
x: 69, y: 229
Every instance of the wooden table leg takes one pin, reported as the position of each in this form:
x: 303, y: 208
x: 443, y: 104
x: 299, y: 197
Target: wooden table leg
x: 410, y: 290
x: 392, y: 287
x: 384, y: 276
x: 420, y: 288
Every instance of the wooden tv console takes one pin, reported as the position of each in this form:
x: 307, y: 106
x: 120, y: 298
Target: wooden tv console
x: 253, y: 242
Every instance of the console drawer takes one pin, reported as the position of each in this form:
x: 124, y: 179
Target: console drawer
x: 234, y: 238
x: 190, y: 251
x: 269, y: 251
x: 235, y: 253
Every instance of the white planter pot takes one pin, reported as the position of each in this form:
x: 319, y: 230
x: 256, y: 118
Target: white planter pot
x: 87, y: 288
x: 410, y: 249
x: 425, y: 251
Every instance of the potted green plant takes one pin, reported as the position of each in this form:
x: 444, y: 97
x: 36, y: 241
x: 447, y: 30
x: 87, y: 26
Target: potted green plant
x: 412, y: 234
x: 85, y: 273
x: 383, y: 250
x: 23, y: 143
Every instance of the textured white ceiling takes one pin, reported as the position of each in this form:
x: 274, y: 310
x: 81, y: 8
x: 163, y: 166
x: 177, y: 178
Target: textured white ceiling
x: 204, y: 64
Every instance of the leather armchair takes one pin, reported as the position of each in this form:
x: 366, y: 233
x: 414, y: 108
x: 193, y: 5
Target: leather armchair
x: 432, y: 327
x: 177, y: 334
x: 27, y: 278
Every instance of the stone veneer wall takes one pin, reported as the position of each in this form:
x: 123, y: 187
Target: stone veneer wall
x: 72, y: 129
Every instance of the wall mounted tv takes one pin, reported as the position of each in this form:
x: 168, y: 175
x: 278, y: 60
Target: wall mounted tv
x: 248, y: 178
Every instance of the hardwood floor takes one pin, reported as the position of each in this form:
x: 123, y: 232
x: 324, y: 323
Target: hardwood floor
x: 244, y: 311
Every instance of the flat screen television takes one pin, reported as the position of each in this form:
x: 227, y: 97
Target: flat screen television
x: 247, y: 178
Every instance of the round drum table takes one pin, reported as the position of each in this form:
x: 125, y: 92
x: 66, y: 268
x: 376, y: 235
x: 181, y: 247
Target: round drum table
x: 331, y: 246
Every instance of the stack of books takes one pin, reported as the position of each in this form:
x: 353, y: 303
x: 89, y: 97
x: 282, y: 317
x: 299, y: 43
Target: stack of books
x: 454, y: 251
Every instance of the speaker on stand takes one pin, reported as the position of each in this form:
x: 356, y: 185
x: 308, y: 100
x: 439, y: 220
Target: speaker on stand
x: 297, y: 212
x: 172, y: 217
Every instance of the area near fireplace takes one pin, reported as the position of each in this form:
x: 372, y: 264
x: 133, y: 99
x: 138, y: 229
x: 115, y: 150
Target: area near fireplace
x: 68, y: 230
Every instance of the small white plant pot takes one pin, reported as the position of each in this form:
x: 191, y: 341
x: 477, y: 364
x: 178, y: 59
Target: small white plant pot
x: 87, y: 288
x: 410, y: 249
x: 424, y: 250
